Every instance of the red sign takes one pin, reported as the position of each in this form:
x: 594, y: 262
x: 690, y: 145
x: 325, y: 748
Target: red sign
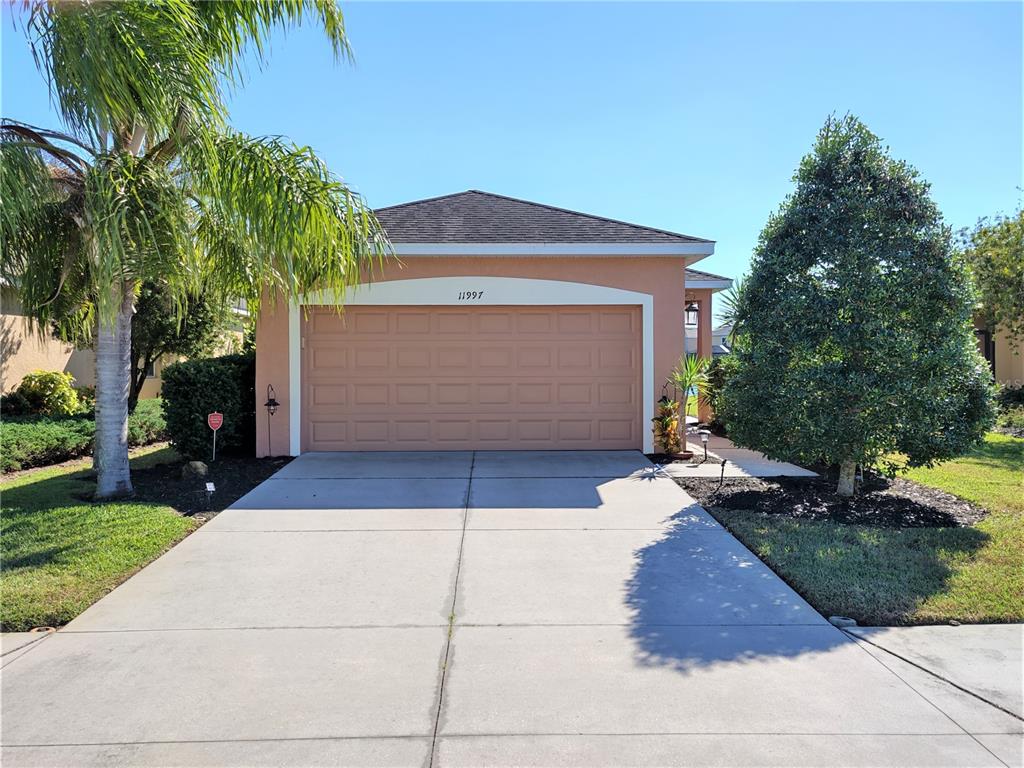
x: 215, y: 420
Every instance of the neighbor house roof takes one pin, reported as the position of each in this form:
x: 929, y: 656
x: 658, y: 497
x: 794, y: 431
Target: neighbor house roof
x: 482, y: 217
x: 695, y: 278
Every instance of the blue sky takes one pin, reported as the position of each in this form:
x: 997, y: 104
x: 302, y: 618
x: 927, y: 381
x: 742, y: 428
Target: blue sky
x: 691, y: 117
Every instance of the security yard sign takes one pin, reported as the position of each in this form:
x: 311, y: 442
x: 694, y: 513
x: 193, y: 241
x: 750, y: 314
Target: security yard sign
x: 215, y: 420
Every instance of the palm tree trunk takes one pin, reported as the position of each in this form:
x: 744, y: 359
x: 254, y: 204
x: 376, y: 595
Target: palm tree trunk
x: 113, y: 380
x: 847, y: 476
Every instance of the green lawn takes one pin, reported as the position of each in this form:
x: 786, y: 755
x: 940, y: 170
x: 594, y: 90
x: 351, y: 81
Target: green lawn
x: 911, y: 575
x: 60, y: 553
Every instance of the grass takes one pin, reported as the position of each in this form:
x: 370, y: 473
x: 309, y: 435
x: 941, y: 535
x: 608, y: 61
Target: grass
x: 60, y: 553
x: 911, y: 575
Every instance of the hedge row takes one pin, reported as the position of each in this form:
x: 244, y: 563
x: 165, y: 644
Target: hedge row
x: 194, y: 388
x: 35, y: 441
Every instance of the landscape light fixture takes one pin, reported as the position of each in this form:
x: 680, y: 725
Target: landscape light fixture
x: 271, y: 405
x: 704, y: 435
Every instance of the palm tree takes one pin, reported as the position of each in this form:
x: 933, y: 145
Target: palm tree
x: 145, y: 180
x: 728, y: 308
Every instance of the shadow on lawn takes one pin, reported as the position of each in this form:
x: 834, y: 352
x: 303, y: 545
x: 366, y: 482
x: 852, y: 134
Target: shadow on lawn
x: 701, y: 598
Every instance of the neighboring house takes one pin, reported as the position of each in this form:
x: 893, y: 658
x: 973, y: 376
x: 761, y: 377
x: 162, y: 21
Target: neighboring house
x: 1004, y: 357
x: 23, y: 351
x: 503, y: 324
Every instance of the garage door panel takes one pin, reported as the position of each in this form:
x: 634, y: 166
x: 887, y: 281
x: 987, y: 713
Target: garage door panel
x: 489, y: 377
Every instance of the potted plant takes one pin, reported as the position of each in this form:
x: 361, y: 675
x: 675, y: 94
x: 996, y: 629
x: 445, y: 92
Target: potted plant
x: 689, y: 376
x: 666, y: 426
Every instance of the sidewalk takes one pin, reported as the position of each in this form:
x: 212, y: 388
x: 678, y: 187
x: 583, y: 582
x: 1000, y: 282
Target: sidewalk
x: 740, y: 462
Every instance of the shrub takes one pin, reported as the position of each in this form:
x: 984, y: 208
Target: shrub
x: 14, y: 404
x: 194, y: 388
x: 717, y: 376
x: 35, y: 441
x: 147, y: 424
x: 50, y: 393
x: 1008, y: 398
x: 86, y: 398
x: 1012, y: 421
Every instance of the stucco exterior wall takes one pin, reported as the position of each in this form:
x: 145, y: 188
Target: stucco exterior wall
x: 1009, y: 361
x: 22, y: 352
x: 661, y: 277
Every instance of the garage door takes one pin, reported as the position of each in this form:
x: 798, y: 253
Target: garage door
x: 449, y: 378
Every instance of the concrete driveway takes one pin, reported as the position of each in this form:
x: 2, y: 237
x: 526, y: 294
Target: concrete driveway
x: 470, y: 609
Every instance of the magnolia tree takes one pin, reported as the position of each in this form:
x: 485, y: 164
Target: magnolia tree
x: 855, y: 336
x: 145, y: 181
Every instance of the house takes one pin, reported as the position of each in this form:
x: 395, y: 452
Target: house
x: 502, y: 324
x: 23, y: 351
x: 698, y: 280
x: 1005, y: 357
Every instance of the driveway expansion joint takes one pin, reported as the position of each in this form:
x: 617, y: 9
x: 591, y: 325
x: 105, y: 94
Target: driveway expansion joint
x: 451, y: 615
x: 946, y: 680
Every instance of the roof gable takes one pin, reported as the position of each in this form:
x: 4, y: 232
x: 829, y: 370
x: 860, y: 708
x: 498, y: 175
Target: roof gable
x: 482, y: 217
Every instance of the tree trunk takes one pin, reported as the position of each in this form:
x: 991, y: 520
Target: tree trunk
x: 847, y: 476
x: 137, y: 375
x: 113, y: 381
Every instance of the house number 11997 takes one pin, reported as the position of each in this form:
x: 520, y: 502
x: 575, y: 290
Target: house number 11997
x: 470, y: 295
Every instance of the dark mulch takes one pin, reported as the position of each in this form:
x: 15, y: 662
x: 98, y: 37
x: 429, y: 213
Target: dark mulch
x: 232, y: 476
x: 880, y: 501
x: 673, y: 458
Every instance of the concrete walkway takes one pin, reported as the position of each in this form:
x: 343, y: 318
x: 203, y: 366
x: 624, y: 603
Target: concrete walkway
x: 740, y: 462
x: 472, y: 609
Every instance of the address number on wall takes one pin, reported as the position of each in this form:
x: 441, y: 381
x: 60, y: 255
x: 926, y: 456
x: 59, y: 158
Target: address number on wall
x: 470, y: 295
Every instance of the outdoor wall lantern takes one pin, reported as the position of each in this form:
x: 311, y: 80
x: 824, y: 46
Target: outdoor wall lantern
x: 271, y: 405
x: 692, y: 313
x: 704, y: 435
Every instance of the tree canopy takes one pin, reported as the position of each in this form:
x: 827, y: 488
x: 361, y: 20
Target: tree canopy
x: 995, y: 252
x: 146, y: 181
x: 855, y: 322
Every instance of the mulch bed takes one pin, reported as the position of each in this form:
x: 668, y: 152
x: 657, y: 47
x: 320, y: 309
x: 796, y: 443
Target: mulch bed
x: 880, y: 501
x: 233, y: 477
x: 675, y: 458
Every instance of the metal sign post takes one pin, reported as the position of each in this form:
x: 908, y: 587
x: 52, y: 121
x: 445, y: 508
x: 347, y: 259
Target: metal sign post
x: 214, y: 421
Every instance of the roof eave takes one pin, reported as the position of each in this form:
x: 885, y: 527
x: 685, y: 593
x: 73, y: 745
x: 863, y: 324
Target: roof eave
x: 714, y: 285
x: 699, y: 249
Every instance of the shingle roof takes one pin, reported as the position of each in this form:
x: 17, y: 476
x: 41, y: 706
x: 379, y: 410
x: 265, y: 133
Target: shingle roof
x: 696, y: 274
x: 482, y: 217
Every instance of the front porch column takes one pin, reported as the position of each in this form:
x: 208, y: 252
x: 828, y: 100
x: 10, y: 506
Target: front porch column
x: 704, y: 343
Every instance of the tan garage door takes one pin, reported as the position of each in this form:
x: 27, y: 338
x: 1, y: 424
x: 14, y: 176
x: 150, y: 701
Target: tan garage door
x: 417, y: 378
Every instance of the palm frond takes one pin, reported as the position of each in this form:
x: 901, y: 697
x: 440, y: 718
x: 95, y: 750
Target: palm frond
x: 233, y: 27
x: 115, y: 66
x: 127, y: 68
x: 729, y: 307
x: 138, y: 221
x: 274, y: 217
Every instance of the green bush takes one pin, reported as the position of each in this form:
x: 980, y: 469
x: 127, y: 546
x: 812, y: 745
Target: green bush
x: 1012, y: 419
x: 86, y: 398
x: 1008, y: 398
x: 147, y: 424
x: 35, y: 441
x: 14, y: 404
x: 50, y: 393
x: 717, y: 376
x: 194, y: 388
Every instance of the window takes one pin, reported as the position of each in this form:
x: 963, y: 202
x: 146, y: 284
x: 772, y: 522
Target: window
x: 151, y: 371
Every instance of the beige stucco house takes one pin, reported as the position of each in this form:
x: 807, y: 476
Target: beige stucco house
x: 1004, y: 356
x: 23, y: 351
x: 501, y: 324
